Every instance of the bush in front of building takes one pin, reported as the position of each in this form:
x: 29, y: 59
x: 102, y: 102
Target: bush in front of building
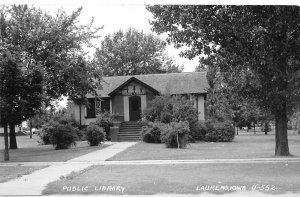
x: 151, y: 133
x: 167, y: 109
x: 62, y: 136
x: 95, y: 134
x: 44, y: 134
x: 219, y: 132
x: 198, y: 130
x: 59, y: 118
x: 105, y: 120
x: 176, y: 134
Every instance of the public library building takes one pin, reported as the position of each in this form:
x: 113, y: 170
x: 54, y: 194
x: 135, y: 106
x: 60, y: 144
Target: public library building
x: 128, y: 96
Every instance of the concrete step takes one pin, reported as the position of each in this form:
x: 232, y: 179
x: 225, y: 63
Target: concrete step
x: 129, y: 131
x: 133, y: 132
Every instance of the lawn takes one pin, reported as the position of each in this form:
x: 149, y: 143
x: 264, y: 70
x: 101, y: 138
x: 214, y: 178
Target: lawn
x: 12, y: 172
x: 29, y: 150
x: 277, y: 178
x: 244, y: 146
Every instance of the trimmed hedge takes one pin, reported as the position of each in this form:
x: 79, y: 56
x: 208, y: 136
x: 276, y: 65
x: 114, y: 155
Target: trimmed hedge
x: 219, y: 132
x: 198, y: 130
x: 94, y: 134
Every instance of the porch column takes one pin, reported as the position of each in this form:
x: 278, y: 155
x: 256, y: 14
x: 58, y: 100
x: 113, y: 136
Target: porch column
x: 126, y: 108
x: 201, y: 107
x: 143, y: 103
x: 110, y: 106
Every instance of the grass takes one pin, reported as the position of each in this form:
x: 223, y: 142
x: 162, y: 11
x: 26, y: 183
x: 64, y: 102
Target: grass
x: 244, y: 146
x: 180, y: 179
x: 29, y: 150
x: 12, y: 172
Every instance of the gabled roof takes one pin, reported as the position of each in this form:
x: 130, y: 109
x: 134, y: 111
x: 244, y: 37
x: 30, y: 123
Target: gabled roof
x: 168, y: 83
x: 131, y: 80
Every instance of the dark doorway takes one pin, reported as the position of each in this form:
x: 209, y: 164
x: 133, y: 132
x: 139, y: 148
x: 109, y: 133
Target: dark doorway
x: 134, y: 108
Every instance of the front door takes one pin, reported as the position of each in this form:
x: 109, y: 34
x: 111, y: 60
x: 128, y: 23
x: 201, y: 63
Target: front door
x: 134, y: 108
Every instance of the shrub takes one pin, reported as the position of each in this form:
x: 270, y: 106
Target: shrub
x: 80, y: 133
x: 105, y: 120
x: 176, y: 134
x: 167, y: 109
x: 151, y: 133
x: 44, y: 134
x: 219, y: 132
x: 62, y: 136
x: 94, y: 134
x: 198, y: 130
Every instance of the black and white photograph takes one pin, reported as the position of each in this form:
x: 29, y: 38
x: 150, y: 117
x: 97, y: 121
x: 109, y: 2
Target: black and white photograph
x: 149, y: 98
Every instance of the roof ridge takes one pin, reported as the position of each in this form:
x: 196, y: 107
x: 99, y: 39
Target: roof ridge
x: 202, y: 72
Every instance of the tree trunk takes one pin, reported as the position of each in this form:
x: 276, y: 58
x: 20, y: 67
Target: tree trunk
x: 6, y: 152
x: 12, y: 137
x: 80, y: 126
x: 266, y: 128
x: 30, y: 128
x: 281, y: 146
x: 254, y: 129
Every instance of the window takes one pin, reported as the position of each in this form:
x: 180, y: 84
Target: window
x: 105, y: 105
x: 90, y: 109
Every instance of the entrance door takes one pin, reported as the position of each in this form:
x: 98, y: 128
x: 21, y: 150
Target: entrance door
x: 134, y: 108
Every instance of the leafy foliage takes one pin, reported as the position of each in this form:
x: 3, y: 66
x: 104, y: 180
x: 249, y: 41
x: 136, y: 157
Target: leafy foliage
x: 105, y: 120
x: 54, y: 118
x: 46, y: 56
x: 133, y: 53
x: 175, y: 134
x: 94, y: 134
x: 62, y: 136
x: 219, y: 132
x: 256, y: 48
x: 151, y: 133
x: 198, y: 130
x: 167, y: 109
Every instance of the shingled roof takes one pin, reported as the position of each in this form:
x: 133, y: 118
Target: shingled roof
x: 169, y: 83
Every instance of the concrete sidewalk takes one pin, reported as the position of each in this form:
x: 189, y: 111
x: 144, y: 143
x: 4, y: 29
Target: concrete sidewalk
x: 87, y: 160
x: 34, y: 184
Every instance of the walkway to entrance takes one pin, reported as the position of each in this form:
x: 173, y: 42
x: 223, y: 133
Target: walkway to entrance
x: 33, y: 184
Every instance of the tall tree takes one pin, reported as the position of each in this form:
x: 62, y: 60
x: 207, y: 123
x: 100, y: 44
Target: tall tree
x: 261, y: 41
x: 53, y: 46
x: 134, y: 52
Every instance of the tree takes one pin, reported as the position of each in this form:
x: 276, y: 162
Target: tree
x: 132, y: 53
x: 262, y: 42
x: 51, y: 47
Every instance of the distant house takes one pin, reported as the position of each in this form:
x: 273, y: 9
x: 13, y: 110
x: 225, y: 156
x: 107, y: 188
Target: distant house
x: 128, y: 96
